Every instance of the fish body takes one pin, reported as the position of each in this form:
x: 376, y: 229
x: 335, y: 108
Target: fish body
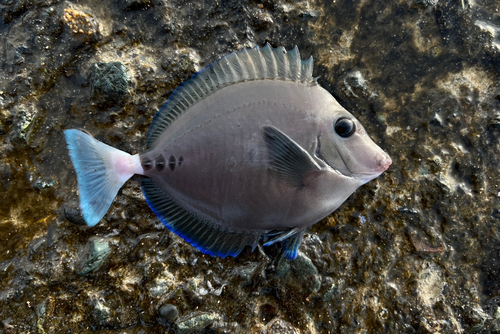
x: 251, y: 149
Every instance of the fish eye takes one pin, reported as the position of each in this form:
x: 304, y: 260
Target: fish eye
x: 345, y: 127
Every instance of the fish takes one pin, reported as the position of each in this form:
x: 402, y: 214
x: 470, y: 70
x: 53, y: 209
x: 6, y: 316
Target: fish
x: 250, y: 151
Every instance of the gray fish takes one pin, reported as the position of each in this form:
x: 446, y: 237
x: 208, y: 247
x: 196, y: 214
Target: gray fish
x: 251, y: 149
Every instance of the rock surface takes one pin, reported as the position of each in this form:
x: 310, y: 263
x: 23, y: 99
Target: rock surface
x: 415, y: 251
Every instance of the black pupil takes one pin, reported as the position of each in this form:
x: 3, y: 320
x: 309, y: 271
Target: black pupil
x: 344, y: 127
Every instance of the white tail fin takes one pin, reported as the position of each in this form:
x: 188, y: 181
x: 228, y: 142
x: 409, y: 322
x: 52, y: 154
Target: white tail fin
x: 101, y: 171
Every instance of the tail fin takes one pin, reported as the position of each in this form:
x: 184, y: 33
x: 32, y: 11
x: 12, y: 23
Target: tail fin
x: 101, y: 171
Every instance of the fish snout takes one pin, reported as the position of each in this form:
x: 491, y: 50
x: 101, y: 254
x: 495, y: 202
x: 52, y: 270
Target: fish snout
x: 384, y: 162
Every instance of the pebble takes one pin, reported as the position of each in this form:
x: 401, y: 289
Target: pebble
x: 196, y: 323
x: 110, y: 82
x: 169, y: 312
x: 93, y: 255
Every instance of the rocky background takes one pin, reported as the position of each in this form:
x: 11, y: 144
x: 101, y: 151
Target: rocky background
x: 415, y: 251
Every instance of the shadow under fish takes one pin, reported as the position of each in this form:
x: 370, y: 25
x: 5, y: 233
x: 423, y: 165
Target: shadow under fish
x: 251, y: 149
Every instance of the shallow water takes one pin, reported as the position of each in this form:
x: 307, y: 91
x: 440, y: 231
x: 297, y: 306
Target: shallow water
x: 414, y: 251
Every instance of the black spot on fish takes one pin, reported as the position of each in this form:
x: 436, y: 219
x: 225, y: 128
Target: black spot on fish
x: 160, y: 163
x: 171, y: 163
x: 181, y: 160
x: 146, y: 164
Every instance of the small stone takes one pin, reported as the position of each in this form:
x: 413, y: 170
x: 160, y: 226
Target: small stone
x: 73, y: 214
x: 161, y: 284
x: 26, y: 125
x: 278, y: 326
x: 302, y: 269
x: 196, y: 323
x: 302, y: 266
x: 169, y: 312
x: 110, y: 82
x: 283, y: 267
x: 437, y: 120
x: 263, y: 21
x: 93, y: 255
x: 43, y: 183
x: 430, y: 283
x: 101, y: 311
x: 80, y: 23
x: 309, y: 14
x: 355, y: 86
x: 444, y: 183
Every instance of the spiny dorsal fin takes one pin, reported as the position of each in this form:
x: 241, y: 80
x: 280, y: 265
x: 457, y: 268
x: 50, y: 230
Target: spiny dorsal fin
x: 245, y: 65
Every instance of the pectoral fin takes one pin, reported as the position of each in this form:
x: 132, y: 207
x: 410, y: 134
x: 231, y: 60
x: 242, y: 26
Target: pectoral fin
x: 290, y: 161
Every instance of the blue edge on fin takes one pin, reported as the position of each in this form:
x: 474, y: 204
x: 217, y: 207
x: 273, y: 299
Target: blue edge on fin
x: 203, y: 235
x: 176, y: 91
x: 206, y: 237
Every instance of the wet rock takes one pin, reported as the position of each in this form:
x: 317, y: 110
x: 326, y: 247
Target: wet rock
x: 161, y: 285
x: 169, y: 312
x: 110, y: 82
x: 309, y: 13
x: 73, y: 213
x: 279, y: 326
x: 196, y: 323
x: 27, y: 124
x: 492, y: 30
x: 43, y: 183
x: 247, y: 272
x: 262, y: 20
x: 427, y: 93
x: 355, y: 86
x: 183, y: 59
x: 283, y: 267
x: 430, y: 283
x: 437, y: 119
x: 102, y: 312
x: 93, y: 255
x: 302, y: 271
x: 81, y: 24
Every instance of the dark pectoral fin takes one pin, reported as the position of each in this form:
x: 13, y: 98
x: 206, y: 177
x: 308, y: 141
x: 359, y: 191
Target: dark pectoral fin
x: 287, y: 158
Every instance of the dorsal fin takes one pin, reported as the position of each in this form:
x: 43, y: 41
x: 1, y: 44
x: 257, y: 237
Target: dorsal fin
x: 245, y: 65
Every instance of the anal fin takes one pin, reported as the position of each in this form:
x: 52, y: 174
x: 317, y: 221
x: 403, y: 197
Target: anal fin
x: 204, y: 235
x: 292, y: 244
x: 290, y: 240
x: 290, y: 161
